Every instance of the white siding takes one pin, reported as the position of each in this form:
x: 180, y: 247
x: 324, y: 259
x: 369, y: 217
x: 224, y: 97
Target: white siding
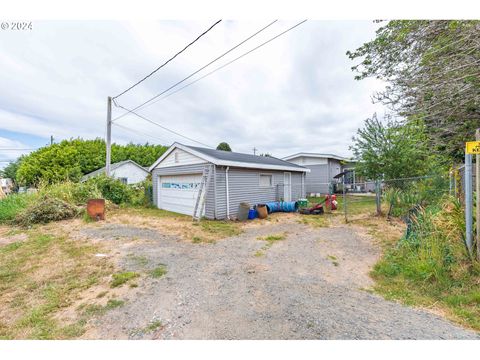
x: 182, y: 157
x: 309, y: 160
x: 132, y: 172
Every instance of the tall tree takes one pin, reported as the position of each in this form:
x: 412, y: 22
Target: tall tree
x: 390, y: 150
x: 432, y: 70
x: 224, y: 146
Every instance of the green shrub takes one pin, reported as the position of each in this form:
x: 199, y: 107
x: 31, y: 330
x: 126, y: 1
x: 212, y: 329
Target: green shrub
x: 112, y: 189
x: 73, y: 193
x: 44, y: 210
x: 13, y: 204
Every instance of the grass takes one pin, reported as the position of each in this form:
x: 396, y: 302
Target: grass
x: 356, y: 204
x: 431, y: 268
x: 270, y: 239
x: 221, y: 228
x: 41, y: 276
x: 159, y: 271
x: 14, y: 204
x: 98, y: 310
x: 315, y: 220
x: 154, y: 325
x: 121, y: 278
x: 199, y: 240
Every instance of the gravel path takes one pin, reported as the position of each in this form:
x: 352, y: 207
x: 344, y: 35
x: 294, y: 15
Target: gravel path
x: 308, y: 286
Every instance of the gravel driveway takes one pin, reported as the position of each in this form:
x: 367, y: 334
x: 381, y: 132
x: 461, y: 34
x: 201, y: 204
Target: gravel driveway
x: 308, y: 286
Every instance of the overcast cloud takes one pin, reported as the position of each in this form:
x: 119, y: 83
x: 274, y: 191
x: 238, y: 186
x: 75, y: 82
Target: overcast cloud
x: 295, y: 94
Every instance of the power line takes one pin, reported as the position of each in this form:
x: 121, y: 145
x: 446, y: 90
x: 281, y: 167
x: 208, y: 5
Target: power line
x: 223, y: 66
x: 163, y: 127
x: 17, y: 149
x: 195, y: 72
x: 166, y: 62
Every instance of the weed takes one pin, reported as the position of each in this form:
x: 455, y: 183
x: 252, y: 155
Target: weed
x: 154, y: 325
x: 119, y: 279
x: 159, y: 271
x: 222, y: 228
x: 259, y: 253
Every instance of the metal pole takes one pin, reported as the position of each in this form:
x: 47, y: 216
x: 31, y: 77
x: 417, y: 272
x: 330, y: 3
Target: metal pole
x: 108, y: 160
x: 477, y: 191
x: 344, y: 199
x: 468, y: 202
x: 377, y: 197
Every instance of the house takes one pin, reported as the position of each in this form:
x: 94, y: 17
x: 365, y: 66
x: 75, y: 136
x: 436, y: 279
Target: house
x: 128, y: 171
x: 323, y: 168
x: 7, y: 185
x: 236, y: 178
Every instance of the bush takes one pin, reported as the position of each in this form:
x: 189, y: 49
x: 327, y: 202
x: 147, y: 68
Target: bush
x: 14, y: 204
x: 73, y: 193
x: 112, y: 189
x: 45, y: 210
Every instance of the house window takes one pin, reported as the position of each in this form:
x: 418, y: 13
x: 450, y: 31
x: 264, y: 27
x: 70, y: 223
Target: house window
x: 266, y: 180
x: 123, y: 180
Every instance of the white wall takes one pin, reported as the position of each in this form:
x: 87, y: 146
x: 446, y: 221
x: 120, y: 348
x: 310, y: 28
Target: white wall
x: 309, y: 160
x: 130, y: 171
x: 183, y: 158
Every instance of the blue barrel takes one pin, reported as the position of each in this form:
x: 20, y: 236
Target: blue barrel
x: 252, y: 214
x: 282, y: 206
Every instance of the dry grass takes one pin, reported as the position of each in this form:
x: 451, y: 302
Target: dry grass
x: 169, y: 223
x: 41, y: 277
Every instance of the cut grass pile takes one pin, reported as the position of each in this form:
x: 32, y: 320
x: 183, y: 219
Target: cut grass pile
x: 41, y: 276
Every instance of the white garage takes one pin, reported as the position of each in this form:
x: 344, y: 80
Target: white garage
x: 178, y: 193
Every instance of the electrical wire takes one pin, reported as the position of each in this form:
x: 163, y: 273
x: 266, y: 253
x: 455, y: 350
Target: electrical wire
x: 221, y: 67
x: 141, y: 133
x: 19, y: 149
x: 161, y: 126
x: 169, y: 60
x: 195, y: 72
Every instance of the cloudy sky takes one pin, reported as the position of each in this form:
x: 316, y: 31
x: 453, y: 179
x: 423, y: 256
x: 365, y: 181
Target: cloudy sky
x: 294, y: 94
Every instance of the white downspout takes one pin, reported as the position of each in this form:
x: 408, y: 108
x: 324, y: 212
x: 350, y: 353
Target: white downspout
x: 228, y: 192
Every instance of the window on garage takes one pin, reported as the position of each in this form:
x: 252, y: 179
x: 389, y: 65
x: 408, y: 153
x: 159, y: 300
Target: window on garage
x: 123, y: 180
x: 266, y: 180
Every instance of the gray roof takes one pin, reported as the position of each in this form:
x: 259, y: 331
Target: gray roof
x: 112, y: 168
x: 246, y: 158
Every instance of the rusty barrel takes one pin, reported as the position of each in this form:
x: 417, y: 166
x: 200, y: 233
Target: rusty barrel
x: 96, y: 209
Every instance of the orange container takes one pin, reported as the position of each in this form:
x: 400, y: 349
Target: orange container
x: 262, y: 211
x: 96, y: 209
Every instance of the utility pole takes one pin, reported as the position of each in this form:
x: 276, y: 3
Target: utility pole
x: 109, y: 136
x: 477, y: 190
x: 255, y: 150
x: 51, y: 139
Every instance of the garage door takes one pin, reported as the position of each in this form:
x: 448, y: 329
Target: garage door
x: 179, y: 193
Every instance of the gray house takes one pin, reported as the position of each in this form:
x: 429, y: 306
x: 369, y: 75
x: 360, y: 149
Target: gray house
x: 236, y: 178
x: 323, y: 168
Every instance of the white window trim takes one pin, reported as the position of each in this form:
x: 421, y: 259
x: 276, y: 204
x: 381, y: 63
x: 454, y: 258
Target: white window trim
x: 271, y: 180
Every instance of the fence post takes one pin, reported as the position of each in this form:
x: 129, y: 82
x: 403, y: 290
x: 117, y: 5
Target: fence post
x: 344, y: 198
x: 468, y: 202
x: 378, y: 193
x: 477, y: 191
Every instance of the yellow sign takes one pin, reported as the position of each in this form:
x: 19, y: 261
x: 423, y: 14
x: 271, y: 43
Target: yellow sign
x: 472, y: 147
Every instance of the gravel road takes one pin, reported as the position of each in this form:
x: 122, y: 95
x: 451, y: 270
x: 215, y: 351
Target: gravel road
x: 308, y: 286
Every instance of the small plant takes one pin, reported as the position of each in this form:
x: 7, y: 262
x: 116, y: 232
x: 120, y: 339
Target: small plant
x: 159, y: 271
x: 119, y: 279
x: 154, y: 325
